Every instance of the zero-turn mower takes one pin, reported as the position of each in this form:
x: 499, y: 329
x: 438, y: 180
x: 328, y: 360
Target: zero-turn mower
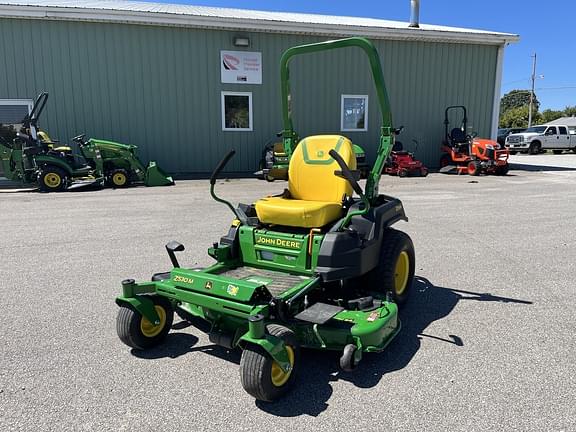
x: 314, y: 267
x: 402, y: 163
x: 468, y: 154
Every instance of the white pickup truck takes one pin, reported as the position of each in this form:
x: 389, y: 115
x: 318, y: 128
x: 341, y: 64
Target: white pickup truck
x: 537, y: 138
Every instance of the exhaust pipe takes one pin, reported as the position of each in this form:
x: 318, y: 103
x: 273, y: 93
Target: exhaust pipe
x: 414, y: 13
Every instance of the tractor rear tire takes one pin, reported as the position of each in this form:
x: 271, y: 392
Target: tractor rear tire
x: 52, y: 179
x: 502, y: 169
x: 137, y: 332
x: 395, y: 270
x: 118, y: 178
x: 445, y: 160
x: 260, y: 375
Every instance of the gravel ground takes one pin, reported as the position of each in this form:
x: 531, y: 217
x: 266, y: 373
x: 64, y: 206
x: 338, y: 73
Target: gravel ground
x: 487, y: 344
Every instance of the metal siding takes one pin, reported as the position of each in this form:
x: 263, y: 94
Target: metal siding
x: 159, y: 88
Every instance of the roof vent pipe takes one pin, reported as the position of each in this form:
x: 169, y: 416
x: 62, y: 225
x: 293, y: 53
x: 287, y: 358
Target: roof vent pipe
x: 414, y: 13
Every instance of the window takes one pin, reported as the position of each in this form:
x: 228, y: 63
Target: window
x: 562, y: 130
x: 12, y: 112
x: 551, y: 131
x: 354, y: 112
x: 236, y: 111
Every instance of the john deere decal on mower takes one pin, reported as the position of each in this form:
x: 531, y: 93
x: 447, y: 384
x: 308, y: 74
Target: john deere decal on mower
x: 315, y: 267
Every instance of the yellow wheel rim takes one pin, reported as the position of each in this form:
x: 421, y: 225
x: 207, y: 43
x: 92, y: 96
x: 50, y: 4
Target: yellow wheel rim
x: 119, y: 179
x: 149, y: 329
x: 279, y: 377
x: 52, y: 180
x: 401, y: 273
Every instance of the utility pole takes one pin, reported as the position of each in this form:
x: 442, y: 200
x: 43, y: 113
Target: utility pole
x: 533, y: 77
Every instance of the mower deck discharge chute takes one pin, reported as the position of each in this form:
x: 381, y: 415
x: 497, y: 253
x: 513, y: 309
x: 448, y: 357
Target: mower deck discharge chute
x: 315, y: 267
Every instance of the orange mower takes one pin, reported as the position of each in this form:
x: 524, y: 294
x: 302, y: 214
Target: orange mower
x: 468, y: 154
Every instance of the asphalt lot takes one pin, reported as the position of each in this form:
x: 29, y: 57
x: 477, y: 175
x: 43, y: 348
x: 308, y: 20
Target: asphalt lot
x: 488, y: 340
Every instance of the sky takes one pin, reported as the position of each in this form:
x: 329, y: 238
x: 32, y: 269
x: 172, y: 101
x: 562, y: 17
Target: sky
x: 547, y: 31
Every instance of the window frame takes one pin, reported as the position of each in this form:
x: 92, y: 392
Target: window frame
x: 223, y: 95
x: 343, y: 97
x: 28, y: 102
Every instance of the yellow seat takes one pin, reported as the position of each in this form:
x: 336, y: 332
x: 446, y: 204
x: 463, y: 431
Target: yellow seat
x: 315, y: 193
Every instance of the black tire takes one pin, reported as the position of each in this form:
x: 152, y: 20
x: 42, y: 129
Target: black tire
x: 130, y: 324
x: 383, y: 279
x: 502, y: 169
x: 445, y: 160
x: 256, y: 367
x: 347, y: 362
x: 118, y: 178
x: 557, y: 151
x: 402, y: 173
x: 535, y: 147
x: 574, y: 150
x: 423, y: 172
x: 52, y: 179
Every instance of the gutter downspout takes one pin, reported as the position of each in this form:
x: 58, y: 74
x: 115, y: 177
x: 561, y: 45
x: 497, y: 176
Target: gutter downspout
x: 497, y: 91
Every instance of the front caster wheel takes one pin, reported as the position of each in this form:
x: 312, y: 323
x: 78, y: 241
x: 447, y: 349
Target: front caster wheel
x: 261, y: 376
x: 137, y: 332
x: 347, y: 361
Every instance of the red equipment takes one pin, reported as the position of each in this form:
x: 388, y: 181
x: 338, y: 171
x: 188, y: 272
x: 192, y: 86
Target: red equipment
x: 402, y: 163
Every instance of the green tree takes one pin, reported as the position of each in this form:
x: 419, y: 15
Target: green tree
x: 548, y: 115
x: 518, y: 117
x: 570, y: 111
x: 517, y: 99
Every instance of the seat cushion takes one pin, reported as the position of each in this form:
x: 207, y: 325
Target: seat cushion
x: 297, y: 213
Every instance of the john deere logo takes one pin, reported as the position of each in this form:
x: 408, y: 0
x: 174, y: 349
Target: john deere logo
x: 232, y: 290
x: 278, y: 242
x: 208, y: 285
x: 320, y: 153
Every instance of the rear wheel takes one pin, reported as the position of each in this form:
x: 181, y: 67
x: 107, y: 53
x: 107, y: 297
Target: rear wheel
x: 423, y: 172
x: 261, y: 376
x: 445, y: 160
x: 395, y: 270
x: 402, y: 172
x: 502, y: 169
x: 118, y: 178
x: 52, y: 179
x: 473, y: 168
x: 137, y: 331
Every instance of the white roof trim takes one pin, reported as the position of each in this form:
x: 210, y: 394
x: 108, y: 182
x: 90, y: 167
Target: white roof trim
x: 245, y: 20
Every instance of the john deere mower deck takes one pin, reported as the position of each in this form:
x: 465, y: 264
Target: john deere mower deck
x: 314, y: 267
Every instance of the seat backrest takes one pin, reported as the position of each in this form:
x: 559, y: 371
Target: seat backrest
x: 311, y: 171
x: 458, y: 136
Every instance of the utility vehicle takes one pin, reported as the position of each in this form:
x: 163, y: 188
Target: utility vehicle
x: 314, y: 267
x: 469, y: 154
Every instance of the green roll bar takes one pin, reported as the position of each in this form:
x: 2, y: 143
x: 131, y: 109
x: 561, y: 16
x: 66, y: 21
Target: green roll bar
x: 290, y: 137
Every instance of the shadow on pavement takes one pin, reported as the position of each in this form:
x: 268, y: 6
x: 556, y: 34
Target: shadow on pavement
x: 428, y: 303
x: 535, y: 168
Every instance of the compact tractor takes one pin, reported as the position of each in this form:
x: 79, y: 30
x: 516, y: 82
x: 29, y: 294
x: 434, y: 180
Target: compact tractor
x: 468, y: 154
x: 33, y: 157
x: 314, y: 267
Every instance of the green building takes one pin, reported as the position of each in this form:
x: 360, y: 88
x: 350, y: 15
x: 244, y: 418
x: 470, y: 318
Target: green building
x: 187, y: 83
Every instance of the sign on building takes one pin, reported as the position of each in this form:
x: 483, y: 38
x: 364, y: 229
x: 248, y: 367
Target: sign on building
x: 241, y: 67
